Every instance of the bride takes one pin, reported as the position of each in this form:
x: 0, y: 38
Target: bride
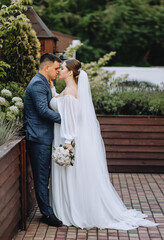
x: 82, y: 195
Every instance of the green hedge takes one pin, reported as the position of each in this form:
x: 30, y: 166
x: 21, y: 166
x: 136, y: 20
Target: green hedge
x: 131, y: 102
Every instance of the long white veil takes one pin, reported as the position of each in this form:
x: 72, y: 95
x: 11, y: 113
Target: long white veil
x: 89, y: 126
x: 97, y: 199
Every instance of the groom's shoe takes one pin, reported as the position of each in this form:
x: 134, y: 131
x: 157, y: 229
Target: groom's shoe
x: 52, y: 220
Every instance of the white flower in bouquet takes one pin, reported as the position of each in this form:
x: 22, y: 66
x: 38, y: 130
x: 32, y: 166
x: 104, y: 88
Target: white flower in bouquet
x: 16, y: 99
x: 6, y: 93
x: 4, y: 102
x: 19, y: 104
x: 14, y: 109
x: 62, y: 156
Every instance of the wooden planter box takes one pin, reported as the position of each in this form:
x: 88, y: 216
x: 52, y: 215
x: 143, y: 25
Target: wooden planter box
x: 133, y: 143
x: 15, y: 181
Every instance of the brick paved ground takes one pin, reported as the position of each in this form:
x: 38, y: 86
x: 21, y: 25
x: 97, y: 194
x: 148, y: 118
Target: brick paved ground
x: 140, y: 191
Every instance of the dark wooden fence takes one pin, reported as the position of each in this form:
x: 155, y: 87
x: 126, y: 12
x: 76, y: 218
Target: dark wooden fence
x: 10, y: 195
x: 16, y: 188
x: 133, y: 143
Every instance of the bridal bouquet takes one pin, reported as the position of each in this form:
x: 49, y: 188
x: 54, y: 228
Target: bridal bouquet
x: 62, y: 156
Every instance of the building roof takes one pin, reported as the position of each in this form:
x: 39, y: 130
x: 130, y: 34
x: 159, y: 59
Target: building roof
x: 64, y: 40
x: 38, y: 25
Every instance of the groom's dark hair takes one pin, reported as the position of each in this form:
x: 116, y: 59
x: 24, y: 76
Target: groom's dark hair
x: 48, y: 57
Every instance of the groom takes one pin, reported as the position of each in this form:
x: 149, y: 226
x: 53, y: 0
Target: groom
x: 39, y: 122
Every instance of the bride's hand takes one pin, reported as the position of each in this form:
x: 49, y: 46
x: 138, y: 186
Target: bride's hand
x: 69, y: 146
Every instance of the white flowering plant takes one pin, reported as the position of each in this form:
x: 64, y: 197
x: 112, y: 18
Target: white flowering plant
x: 71, y: 49
x: 99, y: 78
x: 62, y: 156
x: 6, y: 93
x: 10, y: 107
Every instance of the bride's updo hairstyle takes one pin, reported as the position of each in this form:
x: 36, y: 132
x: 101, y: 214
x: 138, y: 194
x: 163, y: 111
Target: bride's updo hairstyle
x: 74, y: 65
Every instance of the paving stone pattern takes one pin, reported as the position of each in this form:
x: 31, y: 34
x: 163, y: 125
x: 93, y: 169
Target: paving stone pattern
x: 144, y: 192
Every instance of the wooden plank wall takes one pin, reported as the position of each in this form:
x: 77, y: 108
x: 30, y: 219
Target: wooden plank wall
x: 133, y: 143
x: 10, y: 202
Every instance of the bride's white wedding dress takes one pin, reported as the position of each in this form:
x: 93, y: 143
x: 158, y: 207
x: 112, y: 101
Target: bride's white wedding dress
x: 82, y: 195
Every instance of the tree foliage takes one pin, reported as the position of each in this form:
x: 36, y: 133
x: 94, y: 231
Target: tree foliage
x: 134, y: 29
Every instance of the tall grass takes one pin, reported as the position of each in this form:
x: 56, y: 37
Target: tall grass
x: 8, y: 130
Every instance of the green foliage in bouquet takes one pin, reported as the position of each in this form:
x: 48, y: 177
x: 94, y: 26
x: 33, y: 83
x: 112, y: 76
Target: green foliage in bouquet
x: 19, y: 44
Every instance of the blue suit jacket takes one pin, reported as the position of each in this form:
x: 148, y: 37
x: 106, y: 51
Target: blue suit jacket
x: 39, y: 119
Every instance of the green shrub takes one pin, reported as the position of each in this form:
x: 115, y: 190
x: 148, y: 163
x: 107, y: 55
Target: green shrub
x: 131, y: 102
x: 3, y: 67
x: 19, y: 44
x: 16, y: 89
x: 60, y: 85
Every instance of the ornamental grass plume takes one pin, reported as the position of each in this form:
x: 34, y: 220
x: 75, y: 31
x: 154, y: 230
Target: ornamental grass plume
x: 8, y: 130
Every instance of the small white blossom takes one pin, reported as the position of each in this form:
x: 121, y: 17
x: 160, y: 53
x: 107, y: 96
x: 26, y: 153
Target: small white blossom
x: 6, y: 93
x: 16, y: 99
x: 19, y: 104
x: 3, y: 102
x: 14, y: 109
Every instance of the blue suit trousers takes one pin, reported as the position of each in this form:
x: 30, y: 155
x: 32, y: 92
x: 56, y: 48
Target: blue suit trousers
x: 40, y: 157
